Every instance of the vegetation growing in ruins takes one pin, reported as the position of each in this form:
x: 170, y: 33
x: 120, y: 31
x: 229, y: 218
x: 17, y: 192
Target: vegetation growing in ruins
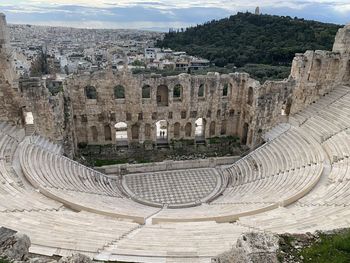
x: 264, y: 72
x: 259, y: 72
x: 4, y: 261
x: 319, y: 247
x: 246, y: 38
x: 181, y: 149
x: 331, y: 248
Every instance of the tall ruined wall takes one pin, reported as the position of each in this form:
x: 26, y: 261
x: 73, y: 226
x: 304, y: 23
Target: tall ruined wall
x: 318, y: 72
x: 232, y: 104
x: 10, y: 104
x: 342, y: 40
x: 51, y: 112
x: 237, y: 113
x: 107, y: 110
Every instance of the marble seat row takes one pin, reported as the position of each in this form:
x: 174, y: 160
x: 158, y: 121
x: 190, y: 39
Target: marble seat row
x: 323, y: 102
x: 300, y: 219
x: 190, y: 240
x: 67, y: 230
x: 77, y: 186
x: 48, y: 169
x: 338, y: 146
x: 326, y: 206
x: 276, y: 131
x: 46, y: 144
x: 293, y: 149
x: 11, y: 187
x: 330, y: 121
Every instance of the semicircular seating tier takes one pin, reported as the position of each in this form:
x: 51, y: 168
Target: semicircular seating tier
x: 297, y: 182
x: 78, y: 186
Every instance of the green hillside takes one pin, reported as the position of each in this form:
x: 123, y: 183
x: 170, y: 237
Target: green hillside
x: 246, y: 38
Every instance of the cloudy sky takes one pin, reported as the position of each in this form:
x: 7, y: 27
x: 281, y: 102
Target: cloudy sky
x: 161, y: 14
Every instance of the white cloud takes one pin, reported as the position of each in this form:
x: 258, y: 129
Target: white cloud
x: 112, y: 25
x: 344, y: 8
x: 165, y: 4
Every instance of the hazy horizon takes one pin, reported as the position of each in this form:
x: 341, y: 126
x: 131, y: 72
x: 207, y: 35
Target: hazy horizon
x: 160, y: 15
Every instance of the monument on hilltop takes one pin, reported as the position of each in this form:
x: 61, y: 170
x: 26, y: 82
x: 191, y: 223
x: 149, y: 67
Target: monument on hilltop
x: 257, y: 10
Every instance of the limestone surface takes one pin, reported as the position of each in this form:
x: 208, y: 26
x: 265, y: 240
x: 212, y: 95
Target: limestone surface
x: 13, y: 245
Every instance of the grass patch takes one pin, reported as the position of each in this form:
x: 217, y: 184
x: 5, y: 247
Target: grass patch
x: 333, y: 248
x: 4, y: 261
x: 100, y: 163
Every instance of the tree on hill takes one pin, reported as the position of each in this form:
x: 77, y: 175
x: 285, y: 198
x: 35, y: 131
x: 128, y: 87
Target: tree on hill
x: 247, y: 38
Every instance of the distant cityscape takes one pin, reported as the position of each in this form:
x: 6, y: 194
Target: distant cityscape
x: 73, y: 51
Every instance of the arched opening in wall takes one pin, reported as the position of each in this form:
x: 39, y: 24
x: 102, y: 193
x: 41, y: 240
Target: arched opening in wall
x: 346, y: 76
x: 223, y: 127
x: 83, y: 136
x: 108, y: 133
x: 90, y: 92
x: 146, y: 92
x: 188, y: 129
x: 177, y: 130
x: 121, y: 134
x: 94, y: 133
x: 147, y: 131
x: 250, y: 96
x: 334, y: 67
x: 245, y: 133
x: 225, y: 90
x: 177, y: 92
x: 212, y: 129
x: 250, y: 137
x: 119, y: 92
x: 201, y: 91
x: 162, y: 131
x: 315, y: 71
x: 162, y: 95
x: 286, y: 108
x: 200, y: 129
x: 135, y: 131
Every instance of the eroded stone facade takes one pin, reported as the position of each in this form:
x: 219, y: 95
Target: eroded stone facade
x: 220, y: 100
x: 10, y: 105
x: 90, y: 105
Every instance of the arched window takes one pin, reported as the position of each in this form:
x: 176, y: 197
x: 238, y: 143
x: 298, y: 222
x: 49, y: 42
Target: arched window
x: 121, y: 134
x: 177, y: 130
x: 83, y: 135
x: 148, y: 131
x: 315, y: 70
x: 334, y: 67
x: 223, y: 127
x: 90, y: 92
x: 146, y: 92
x: 250, y: 96
x: 119, y: 92
x: 225, y: 90
x: 245, y: 133
x: 108, y: 133
x: 162, y: 95
x: 346, y: 76
x: 188, y: 129
x: 162, y: 131
x: 94, y: 133
x: 200, y: 128
x: 177, y: 92
x: 212, y: 129
x: 201, y: 91
x: 135, y: 132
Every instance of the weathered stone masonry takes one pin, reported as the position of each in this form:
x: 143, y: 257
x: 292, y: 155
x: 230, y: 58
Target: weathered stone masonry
x: 90, y: 105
